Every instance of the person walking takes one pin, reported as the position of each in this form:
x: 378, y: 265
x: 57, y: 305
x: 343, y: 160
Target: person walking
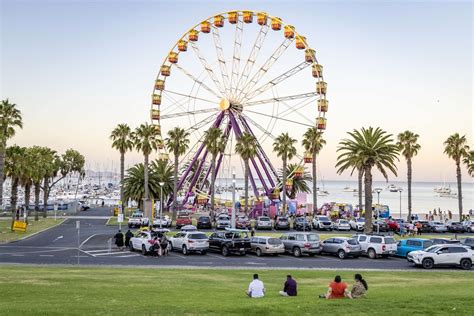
x: 289, y: 288
x: 119, y: 239
x: 256, y: 288
x: 128, y: 236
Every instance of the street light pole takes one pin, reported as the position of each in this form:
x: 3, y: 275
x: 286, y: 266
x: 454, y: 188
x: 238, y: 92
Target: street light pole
x: 161, y: 203
x: 233, y: 200
x: 400, y: 190
x: 378, y: 190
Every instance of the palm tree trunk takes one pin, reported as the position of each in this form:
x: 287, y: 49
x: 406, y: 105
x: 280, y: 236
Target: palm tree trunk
x: 145, y: 168
x: 2, y: 171
x: 315, y: 186
x: 45, y: 196
x: 14, y: 198
x: 284, y: 185
x: 213, y: 179
x: 27, y: 196
x: 360, y: 177
x: 122, y: 175
x: 175, y: 185
x: 458, y: 177
x: 37, y: 198
x: 368, y: 200
x: 409, y: 173
x: 246, y: 187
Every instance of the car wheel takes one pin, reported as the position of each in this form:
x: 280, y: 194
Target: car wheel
x: 466, y: 264
x: 225, y: 251
x: 144, y: 252
x: 341, y: 254
x: 428, y: 263
x: 371, y: 253
x: 297, y: 252
x: 258, y: 252
x: 184, y: 250
x: 203, y: 252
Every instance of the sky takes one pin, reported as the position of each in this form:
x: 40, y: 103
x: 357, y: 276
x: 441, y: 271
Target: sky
x: 78, y: 68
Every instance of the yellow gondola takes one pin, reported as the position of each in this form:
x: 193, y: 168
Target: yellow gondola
x: 276, y: 24
x: 218, y: 21
x: 182, y: 45
x: 300, y: 42
x: 308, y: 157
x: 157, y: 129
x: 262, y: 18
x: 248, y: 16
x: 321, y: 123
x: 164, y: 156
x: 193, y: 35
x: 289, y: 31
x: 156, y: 99
x: 309, y: 55
x: 299, y: 171
x: 321, y: 87
x: 155, y: 114
x: 289, y: 184
x: 173, y: 57
x: 317, y: 70
x: 233, y: 17
x: 323, y: 105
x: 201, y: 199
x: 160, y: 84
x: 165, y: 70
x: 205, y: 27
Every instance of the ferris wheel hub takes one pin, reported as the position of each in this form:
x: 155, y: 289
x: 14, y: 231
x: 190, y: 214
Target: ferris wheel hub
x: 224, y: 104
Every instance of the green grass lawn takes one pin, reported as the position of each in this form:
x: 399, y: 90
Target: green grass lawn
x: 109, y: 291
x: 6, y: 235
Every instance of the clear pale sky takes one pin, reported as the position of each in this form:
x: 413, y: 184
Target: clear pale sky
x: 78, y: 68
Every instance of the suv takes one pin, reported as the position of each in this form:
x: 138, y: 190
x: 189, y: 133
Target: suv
x: 142, y: 241
x: 301, y: 243
x: 377, y: 245
x: 469, y: 242
x: 183, y: 220
x: 379, y: 224
x: 266, y: 245
x: 357, y: 224
x: 468, y: 226
x: 223, y: 221
x: 343, y: 247
x: 282, y: 222
x: 165, y: 221
x: 322, y: 222
x: 443, y: 255
x: 230, y: 241
x: 204, y: 222
x: 263, y: 222
x: 456, y: 227
x: 137, y: 220
x: 188, y: 242
x: 301, y: 223
x: 342, y: 224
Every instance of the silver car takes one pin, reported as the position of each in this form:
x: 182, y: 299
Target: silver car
x: 343, y: 247
x: 301, y: 243
x: 266, y: 245
x: 263, y: 222
x: 439, y: 227
x: 223, y: 221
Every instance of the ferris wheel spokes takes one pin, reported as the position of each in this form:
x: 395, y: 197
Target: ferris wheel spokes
x: 239, y: 28
x: 197, y: 81
x: 191, y: 96
x: 221, y: 59
x: 284, y: 98
x: 167, y: 116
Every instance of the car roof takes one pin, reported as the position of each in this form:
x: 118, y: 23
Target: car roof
x: 265, y: 237
x: 234, y: 230
x: 341, y: 237
x: 417, y: 239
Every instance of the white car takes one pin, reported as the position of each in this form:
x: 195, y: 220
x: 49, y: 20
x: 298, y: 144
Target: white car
x: 190, y: 241
x: 165, y: 221
x: 443, y: 255
x: 377, y: 245
x: 223, y: 221
x: 142, y: 242
x: 342, y: 224
x: 322, y: 222
x: 357, y: 224
x: 137, y: 220
x: 468, y: 226
x: 263, y: 222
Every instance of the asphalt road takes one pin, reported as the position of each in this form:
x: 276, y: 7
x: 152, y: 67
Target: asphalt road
x: 63, y: 245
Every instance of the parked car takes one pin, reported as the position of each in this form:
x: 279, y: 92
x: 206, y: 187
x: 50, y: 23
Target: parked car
x: 83, y: 205
x: 456, y: 227
x: 443, y: 255
x: 342, y: 224
x: 183, y: 220
x: 142, y: 241
x: 343, y: 247
x: 357, y: 224
x: 468, y: 226
x: 230, y: 241
x: 204, y: 222
x: 223, y: 221
x: 425, y: 226
x: 263, y: 245
x: 301, y: 243
x: 377, y: 245
x: 404, y: 246
x: 443, y: 241
x: 381, y: 224
x: 394, y: 224
x: 302, y: 224
x: 469, y: 242
x: 263, y: 222
x: 242, y: 222
x: 190, y: 241
x: 189, y: 228
x: 282, y: 222
x: 439, y: 227
x: 137, y: 220
x: 165, y: 221
x: 322, y: 223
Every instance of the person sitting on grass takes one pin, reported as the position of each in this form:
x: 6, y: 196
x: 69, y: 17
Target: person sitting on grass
x: 360, y: 287
x: 289, y: 289
x: 337, y: 289
x: 256, y: 288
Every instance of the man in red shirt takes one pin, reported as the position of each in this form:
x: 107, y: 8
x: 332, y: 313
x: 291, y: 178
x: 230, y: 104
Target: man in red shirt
x: 337, y: 289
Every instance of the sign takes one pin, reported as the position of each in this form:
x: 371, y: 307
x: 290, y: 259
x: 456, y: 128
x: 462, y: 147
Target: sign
x: 120, y: 218
x: 55, y: 206
x: 19, y: 226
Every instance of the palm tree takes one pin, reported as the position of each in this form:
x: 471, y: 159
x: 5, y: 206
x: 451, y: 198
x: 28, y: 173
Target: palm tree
x: 372, y: 148
x: 122, y: 141
x: 299, y: 183
x: 51, y: 165
x: 313, y: 142
x: 177, y: 143
x: 408, y: 146
x: 26, y: 174
x: 284, y: 148
x: 246, y: 147
x: 10, y: 118
x: 13, y: 167
x: 201, y: 181
x: 37, y: 173
x: 145, y: 140
x: 456, y: 148
x: 469, y: 161
x: 215, y: 142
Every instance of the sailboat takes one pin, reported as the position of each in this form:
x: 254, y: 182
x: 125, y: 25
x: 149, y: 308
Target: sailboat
x: 322, y: 192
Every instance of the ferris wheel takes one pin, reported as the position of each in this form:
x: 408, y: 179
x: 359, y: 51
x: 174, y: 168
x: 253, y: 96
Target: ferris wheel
x: 240, y: 71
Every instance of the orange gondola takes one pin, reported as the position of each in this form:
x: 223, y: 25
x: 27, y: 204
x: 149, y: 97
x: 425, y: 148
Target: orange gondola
x: 289, y: 184
x: 218, y: 21
x: 173, y: 57
x: 308, y: 157
x: 300, y: 42
x: 160, y: 84
x: 156, y: 99
x: 299, y: 171
x: 321, y: 123
x: 233, y: 17
x: 317, y: 70
x: 309, y: 55
x: 193, y: 35
x: 262, y: 18
x: 165, y: 70
x: 248, y: 16
x: 289, y: 31
x: 155, y: 114
x: 323, y: 105
x: 182, y: 45
x: 205, y: 27
x: 276, y: 24
x: 321, y: 87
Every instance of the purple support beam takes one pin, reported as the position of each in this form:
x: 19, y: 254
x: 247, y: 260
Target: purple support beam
x: 247, y: 127
x: 195, y: 177
x: 238, y: 133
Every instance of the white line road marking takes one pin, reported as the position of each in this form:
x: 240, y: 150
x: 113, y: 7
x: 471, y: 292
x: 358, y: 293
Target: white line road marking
x: 46, y: 255
x: 57, y: 238
x: 255, y: 263
x: 107, y: 254
x: 87, y: 239
x: 41, y: 251
x: 80, y: 256
x: 17, y: 255
x: 178, y: 255
x: 96, y: 250
x: 215, y: 256
x: 128, y: 256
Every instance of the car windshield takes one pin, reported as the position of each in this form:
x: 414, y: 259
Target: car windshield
x: 282, y: 219
x: 342, y: 221
x: 390, y: 240
x: 427, y: 243
x: 352, y: 242
x: 274, y: 241
x: 183, y: 217
x: 239, y: 235
x: 204, y: 219
x: 264, y: 219
x: 313, y: 237
x: 361, y: 219
x: 224, y: 218
x: 197, y: 236
x: 324, y: 218
x: 432, y: 249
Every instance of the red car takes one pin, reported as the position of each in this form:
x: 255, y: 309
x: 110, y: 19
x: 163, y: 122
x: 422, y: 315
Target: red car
x: 242, y: 222
x: 183, y: 220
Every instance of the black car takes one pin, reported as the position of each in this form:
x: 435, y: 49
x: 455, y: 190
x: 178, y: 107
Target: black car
x: 230, y: 241
x: 383, y: 227
x: 468, y: 242
x: 282, y: 222
x: 442, y: 241
x: 204, y: 222
x: 456, y: 227
x: 425, y: 226
x: 302, y: 224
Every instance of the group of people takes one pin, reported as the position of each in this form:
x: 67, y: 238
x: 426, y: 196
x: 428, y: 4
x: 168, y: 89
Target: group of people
x: 121, y: 240
x: 159, y: 242
x: 336, y: 289
x: 438, y: 213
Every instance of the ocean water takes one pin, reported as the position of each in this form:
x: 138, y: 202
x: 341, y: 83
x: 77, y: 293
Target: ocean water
x: 424, y: 198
